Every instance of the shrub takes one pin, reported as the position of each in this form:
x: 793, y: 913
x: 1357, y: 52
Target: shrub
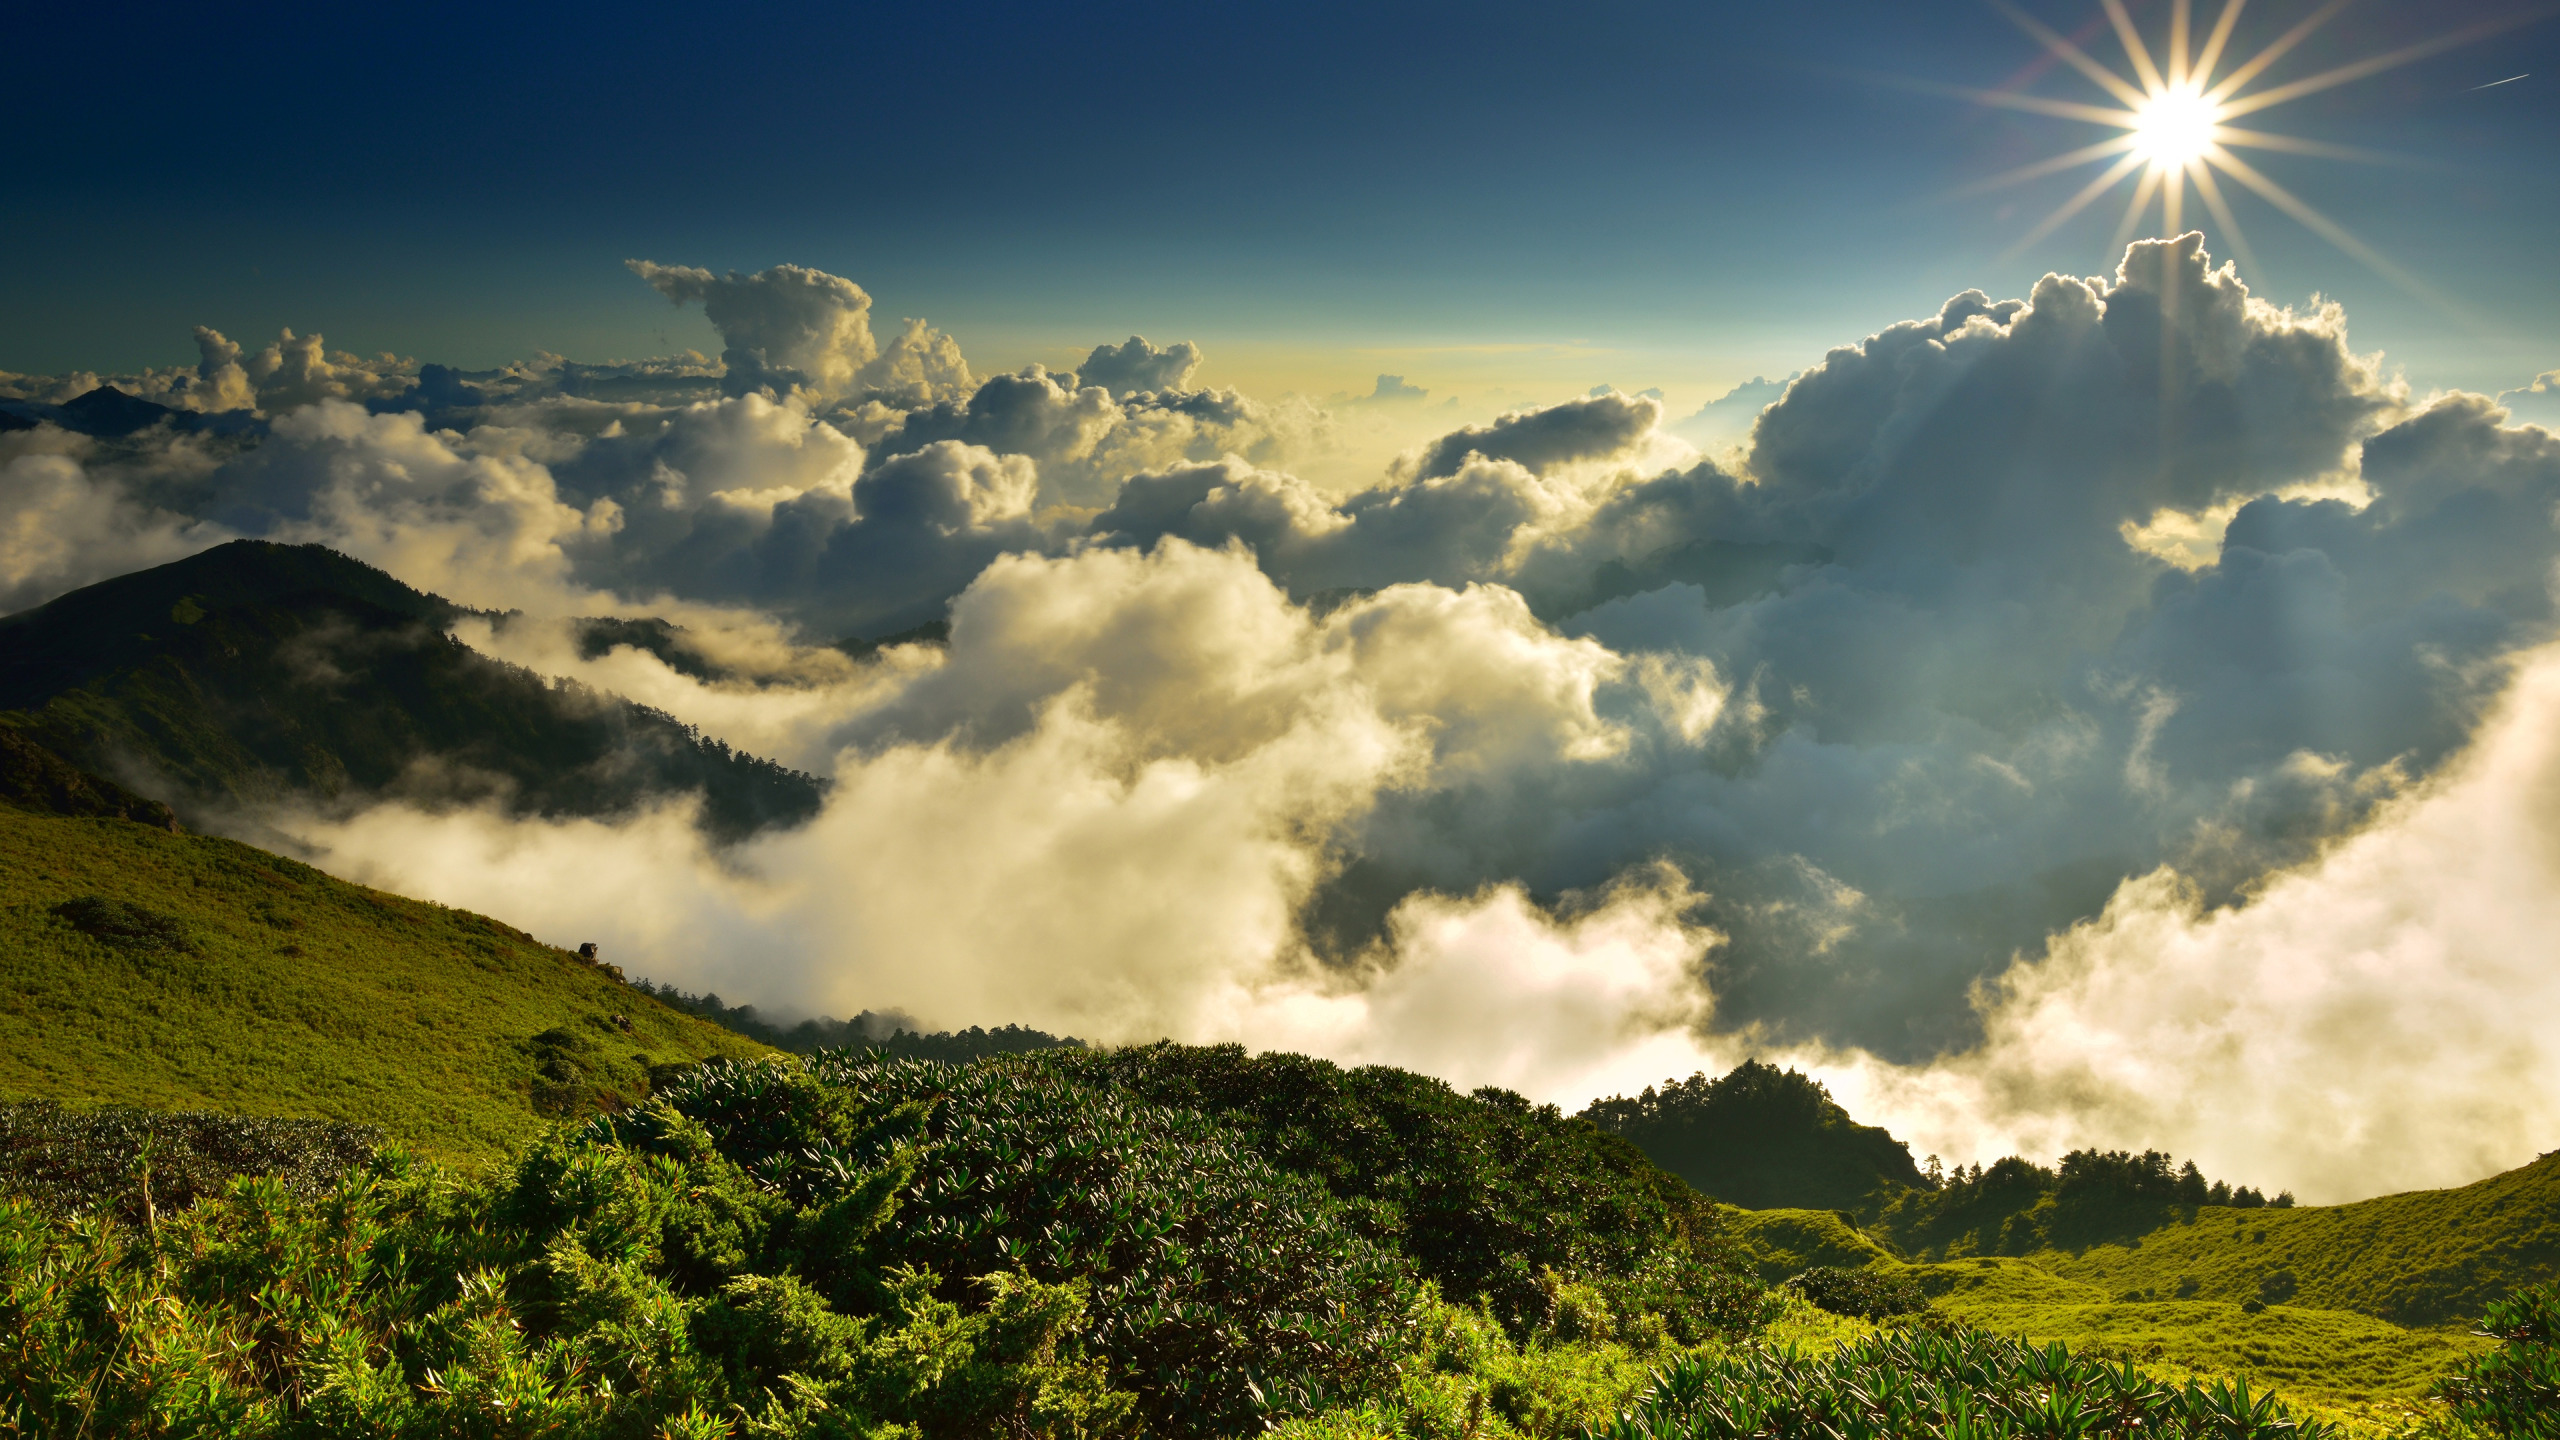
x: 1940, y: 1382
x: 1486, y: 1192
x: 2513, y: 1390
x: 133, y: 1162
x: 1859, y: 1294
x: 1223, y: 1288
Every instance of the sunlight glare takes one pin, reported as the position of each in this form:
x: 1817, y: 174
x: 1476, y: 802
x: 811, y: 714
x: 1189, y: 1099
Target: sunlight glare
x: 2170, y: 116
x: 2174, y: 128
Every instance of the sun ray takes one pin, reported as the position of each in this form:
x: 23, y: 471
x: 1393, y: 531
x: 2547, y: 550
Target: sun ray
x: 2256, y: 65
x: 2134, y: 50
x: 2068, y: 160
x: 2220, y: 209
x: 2295, y: 145
x: 2133, y: 213
x: 2214, y: 43
x: 2326, y: 228
x: 2037, y: 104
x: 2174, y: 128
x: 2076, y: 203
x: 2296, y: 89
x: 2106, y: 79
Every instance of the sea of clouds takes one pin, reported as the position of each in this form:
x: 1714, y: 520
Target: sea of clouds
x: 2124, y: 715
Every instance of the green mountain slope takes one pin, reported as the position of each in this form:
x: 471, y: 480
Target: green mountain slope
x: 176, y: 971
x: 254, y: 672
x: 1762, y: 1138
x: 2427, y: 1257
x: 2326, y: 1354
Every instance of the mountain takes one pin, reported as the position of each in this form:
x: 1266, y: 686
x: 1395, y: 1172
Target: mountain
x: 256, y: 673
x: 141, y: 967
x: 1761, y: 1138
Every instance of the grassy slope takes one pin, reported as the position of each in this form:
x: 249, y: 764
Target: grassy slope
x: 2314, y: 1349
x: 297, y: 994
x: 2427, y: 1257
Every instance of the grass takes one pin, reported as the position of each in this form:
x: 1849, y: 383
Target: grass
x: 2364, y: 1372
x: 215, y: 976
x: 1789, y: 1242
x: 2427, y: 1257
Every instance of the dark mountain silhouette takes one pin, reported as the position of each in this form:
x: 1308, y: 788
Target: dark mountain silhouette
x: 111, y: 412
x: 255, y: 673
x: 1762, y: 1138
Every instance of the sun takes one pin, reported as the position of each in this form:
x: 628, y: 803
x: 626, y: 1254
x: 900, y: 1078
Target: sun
x: 2173, y: 115
x: 2174, y: 129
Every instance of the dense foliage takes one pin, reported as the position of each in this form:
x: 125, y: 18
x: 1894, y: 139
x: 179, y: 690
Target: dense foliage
x: 135, y: 1163
x: 2514, y: 1390
x: 183, y: 972
x: 34, y: 778
x: 1860, y: 1294
x: 1487, y: 1192
x: 1933, y: 1382
x: 1762, y: 1138
x: 2091, y: 1197
x: 1212, y: 1274
x: 884, y: 1034
x: 255, y: 672
x: 1021, y: 1246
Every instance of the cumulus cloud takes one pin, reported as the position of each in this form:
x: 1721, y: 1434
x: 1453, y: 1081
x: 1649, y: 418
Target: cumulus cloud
x: 2102, y: 627
x: 793, y: 330
x: 1135, y: 365
x: 1599, y: 427
x: 61, y: 529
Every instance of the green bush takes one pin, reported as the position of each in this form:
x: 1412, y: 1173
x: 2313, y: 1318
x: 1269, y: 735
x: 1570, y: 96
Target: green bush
x: 2514, y: 1390
x: 1860, y: 1294
x: 1929, y: 1382
x: 134, y: 1162
x: 1486, y: 1192
x: 1224, y: 1289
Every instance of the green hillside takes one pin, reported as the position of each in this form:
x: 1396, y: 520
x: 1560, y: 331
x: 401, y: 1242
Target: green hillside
x: 1761, y: 1137
x: 2427, y: 1257
x: 253, y: 673
x: 183, y: 972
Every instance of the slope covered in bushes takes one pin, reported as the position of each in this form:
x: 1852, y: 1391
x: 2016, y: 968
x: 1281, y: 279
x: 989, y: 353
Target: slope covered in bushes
x: 1486, y: 1191
x: 1023, y: 1246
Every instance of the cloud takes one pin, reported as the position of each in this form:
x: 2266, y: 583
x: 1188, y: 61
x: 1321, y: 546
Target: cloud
x: 1597, y: 427
x: 60, y: 530
x: 1135, y: 365
x: 2376, y: 1020
x: 2095, y: 627
x: 793, y: 330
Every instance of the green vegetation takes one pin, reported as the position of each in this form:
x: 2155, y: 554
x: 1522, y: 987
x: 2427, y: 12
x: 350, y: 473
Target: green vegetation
x: 866, y: 1031
x: 1781, y: 1243
x: 1922, y: 1382
x: 844, y: 1246
x: 1487, y: 1192
x: 1762, y: 1138
x: 181, y: 972
x: 1860, y: 1294
x: 2427, y: 1257
x: 136, y: 1163
x: 2093, y: 1197
x: 2514, y: 1390
x: 255, y: 672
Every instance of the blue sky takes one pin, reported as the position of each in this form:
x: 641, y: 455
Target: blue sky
x: 1676, y: 195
